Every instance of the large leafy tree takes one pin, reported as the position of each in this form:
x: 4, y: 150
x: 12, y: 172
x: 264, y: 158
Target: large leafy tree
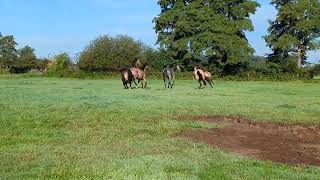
x: 294, y: 32
x: 158, y: 58
x: 26, y: 58
x: 7, y: 51
x: 212, y: 28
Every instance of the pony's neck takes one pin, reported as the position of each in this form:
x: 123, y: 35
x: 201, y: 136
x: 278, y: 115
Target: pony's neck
x: 136, y: 63
x: 174, y: 68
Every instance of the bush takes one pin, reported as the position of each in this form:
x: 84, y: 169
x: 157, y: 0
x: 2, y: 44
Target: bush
x: 315, y: 71
x: 43, y: 64
x: 60, y: 62
x: 110, y: 53
x: 26, y: 60
x: 4, y: 70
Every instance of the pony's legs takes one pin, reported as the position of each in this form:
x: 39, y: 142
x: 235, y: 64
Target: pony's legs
x: 173, y: 82
x: 145, y: 83
x: 165, y: 84
x: 204, y: 82
x: 130, y: 84
x: 135, y: 83
x: 200, y: 84
x: 124, y: 85
x: 210, y: 82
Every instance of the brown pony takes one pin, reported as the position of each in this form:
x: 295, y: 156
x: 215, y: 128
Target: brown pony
x: 141, y: 74
x: 127, y: 76
x: 203, y: 76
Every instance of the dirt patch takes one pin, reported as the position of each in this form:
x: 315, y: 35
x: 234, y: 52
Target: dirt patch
x: 289, y: 144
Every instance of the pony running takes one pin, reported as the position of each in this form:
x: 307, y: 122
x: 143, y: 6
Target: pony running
x: 127, y: 76
x: 140, y: 74
x: 169, y: 75
x: 203, y: 76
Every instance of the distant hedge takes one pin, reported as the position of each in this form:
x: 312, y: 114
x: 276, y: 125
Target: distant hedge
x: 156, y: 74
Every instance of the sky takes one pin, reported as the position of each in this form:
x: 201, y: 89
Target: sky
x: 53, y: 26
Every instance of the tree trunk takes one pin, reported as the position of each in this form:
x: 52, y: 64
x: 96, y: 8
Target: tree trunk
x: 301, y: 55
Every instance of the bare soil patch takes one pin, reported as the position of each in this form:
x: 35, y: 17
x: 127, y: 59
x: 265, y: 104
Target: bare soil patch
x: 289, y: 144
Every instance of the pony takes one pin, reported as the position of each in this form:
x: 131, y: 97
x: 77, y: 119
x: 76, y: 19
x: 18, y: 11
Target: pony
x: 140, y: 74
x: 208, y: 77
x: 169, y: 75
x: 126, y: 77
x: 203, y: 76
x: 126, y: 74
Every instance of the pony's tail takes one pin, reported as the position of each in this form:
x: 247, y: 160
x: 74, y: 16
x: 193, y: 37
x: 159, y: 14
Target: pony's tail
x: 130, y: 75
x: 200, y: 75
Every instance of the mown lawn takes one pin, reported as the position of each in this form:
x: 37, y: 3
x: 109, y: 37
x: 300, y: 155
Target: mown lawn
x: 69, y: 128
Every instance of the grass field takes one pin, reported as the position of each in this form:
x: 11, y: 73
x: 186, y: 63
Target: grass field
x: 69, y: 128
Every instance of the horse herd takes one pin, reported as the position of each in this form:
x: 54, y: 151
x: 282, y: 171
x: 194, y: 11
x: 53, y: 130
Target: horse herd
x: 138, y: 72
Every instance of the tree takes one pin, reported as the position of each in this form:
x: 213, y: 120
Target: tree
x: 294, y: 32
x: 26, y: 58
x: 42, y: 64
x: 7, y: 51
x: 107, y: 53
x: 158, y: 58
x: 213, y: 28
x: 60, y: 62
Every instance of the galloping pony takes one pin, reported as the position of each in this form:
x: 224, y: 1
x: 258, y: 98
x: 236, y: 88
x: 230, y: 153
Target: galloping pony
x: 169, y: 75
x: 203, y: 76
x: 127, y: 76
x: 141, y: 74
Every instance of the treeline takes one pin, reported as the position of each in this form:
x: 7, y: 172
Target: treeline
x: 14, y: 60
x: 203, y: 33
x: 213, y: 33
x: 106, y: 56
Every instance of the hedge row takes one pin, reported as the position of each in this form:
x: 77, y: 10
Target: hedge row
x: 180, y: 75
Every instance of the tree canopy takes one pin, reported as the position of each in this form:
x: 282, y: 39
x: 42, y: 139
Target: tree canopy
x: 26, y: 58
x: 214, y: 28
x: 7, y: 51
x: 294, y: 32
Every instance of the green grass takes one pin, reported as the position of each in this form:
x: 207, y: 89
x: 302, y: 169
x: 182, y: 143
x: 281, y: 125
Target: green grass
x: 69, y: 128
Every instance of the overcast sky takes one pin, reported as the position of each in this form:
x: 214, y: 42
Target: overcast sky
x: 68, y: 25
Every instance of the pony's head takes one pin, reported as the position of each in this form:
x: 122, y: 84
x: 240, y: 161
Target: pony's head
x: 136, y: 62
x: 175, y: 67
x: 146, y: 67
x: 178, y: 68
